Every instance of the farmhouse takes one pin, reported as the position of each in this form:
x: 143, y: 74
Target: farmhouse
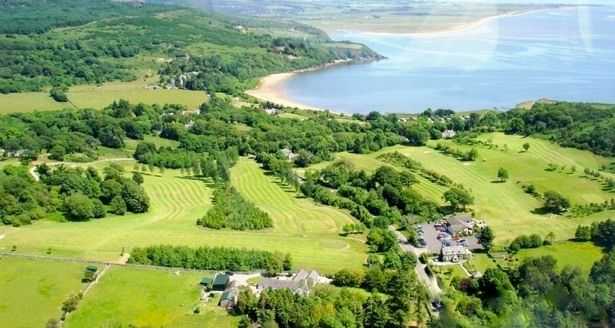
x: 301, y: 283
x: 454, y: 253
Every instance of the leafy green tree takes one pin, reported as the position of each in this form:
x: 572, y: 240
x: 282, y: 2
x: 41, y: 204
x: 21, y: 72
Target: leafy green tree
x: 348, y: 278
x: 137, y: 178
x: 555, y: 203
x: 135, y: 197
x: 58, y: 94
x: 117, y: 206
x: 526, y: 147
x: 486, y: 237
x: 502, y: 174
x: 458, y: 198
x: 78, y: 207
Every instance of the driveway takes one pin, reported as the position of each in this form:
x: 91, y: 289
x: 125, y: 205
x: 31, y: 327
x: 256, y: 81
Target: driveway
x: 430, y: 282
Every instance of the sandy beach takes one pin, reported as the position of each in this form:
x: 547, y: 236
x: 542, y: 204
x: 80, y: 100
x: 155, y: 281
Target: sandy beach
x: 269, y: 87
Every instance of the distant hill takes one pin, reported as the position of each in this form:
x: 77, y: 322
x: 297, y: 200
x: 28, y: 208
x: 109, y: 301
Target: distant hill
x: 69, y: 42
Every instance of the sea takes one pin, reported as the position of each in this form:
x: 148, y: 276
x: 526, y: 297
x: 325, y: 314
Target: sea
x: 562, y: 54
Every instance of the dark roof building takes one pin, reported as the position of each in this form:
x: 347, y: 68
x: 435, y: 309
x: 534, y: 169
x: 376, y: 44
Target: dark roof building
x: 220, y: 282
x: 207, y: 282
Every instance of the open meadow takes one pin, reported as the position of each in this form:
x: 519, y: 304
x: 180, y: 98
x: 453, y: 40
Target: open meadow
x: 148, y: 298
x: 505, y: 206
x: 98, y: 97
x: 567, y: 253
x: 309, y: 232
x: 32, y: 292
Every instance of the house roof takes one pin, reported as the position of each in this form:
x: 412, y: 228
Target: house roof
x: 221, y: 279
x: 454, y: 250
x: 206, y: 281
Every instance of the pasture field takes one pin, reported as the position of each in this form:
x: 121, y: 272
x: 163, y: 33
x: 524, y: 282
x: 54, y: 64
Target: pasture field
x: 147, y: 298
x: 567, y: 253
x: 32, y: 292
x: 98, y: 97
x: 505, y: 206
x: 307, y: 231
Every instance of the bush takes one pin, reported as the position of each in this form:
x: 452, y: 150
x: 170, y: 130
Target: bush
x: 348, y: 278
x: 58, y: 94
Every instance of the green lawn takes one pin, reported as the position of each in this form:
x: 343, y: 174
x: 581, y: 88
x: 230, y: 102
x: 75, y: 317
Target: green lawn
x: 567, y: 253
x: 505, y: 206
x: 32, y: 292
x: 302, y: 228
x: 92, y: 96
x: 480, y: 262
x: 147, y: 298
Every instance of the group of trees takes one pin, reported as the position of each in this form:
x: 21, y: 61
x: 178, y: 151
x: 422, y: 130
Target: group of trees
x: 231, y: 211
x: 64, y: 134
x: 601, y: 233
x: 383, y: 196
x: 76, y: 194
x: 466, y: 156
x: 211, y: 258
x: 85, y: 195
x: 529, y: 241
x: 580, y: 125
x: 23, y: 200
x: 526, y: 295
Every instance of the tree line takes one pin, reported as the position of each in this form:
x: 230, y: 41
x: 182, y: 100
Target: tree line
x: 211, y: 258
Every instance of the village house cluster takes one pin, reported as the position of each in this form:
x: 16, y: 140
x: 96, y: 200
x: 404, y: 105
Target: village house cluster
x: 453, y: 237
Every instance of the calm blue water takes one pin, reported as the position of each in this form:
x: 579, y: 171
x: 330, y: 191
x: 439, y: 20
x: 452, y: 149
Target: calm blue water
x: 566, y: 54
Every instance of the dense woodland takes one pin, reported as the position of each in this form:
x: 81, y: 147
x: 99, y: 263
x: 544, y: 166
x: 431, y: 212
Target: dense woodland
x: 199, y: 51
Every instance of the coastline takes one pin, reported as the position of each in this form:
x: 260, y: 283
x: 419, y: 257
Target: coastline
x: 269, y: 87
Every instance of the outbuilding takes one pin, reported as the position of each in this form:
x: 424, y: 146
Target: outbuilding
x: 220, y: 282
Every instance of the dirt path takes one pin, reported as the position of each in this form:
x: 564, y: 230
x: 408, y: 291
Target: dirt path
x: 100, y: 274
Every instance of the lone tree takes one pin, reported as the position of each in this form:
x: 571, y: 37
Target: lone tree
x: 485, y: 237
x: 58, y: 94
x: 526, y: 146
x: 458, y: 198
x: 502, y: 174
x: 555, y: 202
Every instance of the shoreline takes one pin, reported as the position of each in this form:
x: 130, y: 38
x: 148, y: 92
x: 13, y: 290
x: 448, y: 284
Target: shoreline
x: 269, y: 87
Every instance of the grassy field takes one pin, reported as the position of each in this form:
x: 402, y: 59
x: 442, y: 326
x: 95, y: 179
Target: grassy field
x: 308, y: 231
x: 505, y: 206
x: 567, y: 253
x: 147, y: 298
x: 32, y: 292
x: 92, y: 96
